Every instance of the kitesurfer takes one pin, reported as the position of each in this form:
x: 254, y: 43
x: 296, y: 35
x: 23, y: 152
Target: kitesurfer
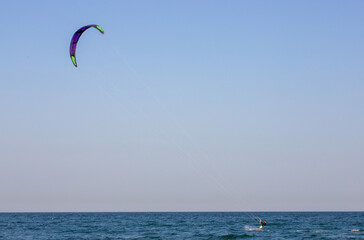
x: 262, y: 224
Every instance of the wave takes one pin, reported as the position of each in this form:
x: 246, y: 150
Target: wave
x: 235, y: 236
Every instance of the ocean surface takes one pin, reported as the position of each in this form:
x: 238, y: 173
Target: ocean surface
x: 214, y: 225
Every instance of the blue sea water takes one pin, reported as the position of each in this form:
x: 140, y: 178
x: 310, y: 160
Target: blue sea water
x: 213, y: 225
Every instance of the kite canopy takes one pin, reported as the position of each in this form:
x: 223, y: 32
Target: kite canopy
x: 77, y: 36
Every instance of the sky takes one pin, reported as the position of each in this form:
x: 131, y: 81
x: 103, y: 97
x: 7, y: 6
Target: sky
x: 182, y: 106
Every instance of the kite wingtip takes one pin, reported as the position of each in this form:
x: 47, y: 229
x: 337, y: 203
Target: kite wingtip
x: 74, y: 61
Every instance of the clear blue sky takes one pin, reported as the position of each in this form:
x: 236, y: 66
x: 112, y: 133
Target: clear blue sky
x: 182, y: 106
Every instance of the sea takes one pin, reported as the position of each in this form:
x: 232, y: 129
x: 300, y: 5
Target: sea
x: 182, y: 225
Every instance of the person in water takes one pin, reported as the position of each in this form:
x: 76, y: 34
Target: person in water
x: 262, y: 224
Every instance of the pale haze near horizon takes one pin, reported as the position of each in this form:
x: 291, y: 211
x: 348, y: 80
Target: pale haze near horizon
x: 182, y: 106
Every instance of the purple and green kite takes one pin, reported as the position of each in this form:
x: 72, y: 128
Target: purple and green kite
x: 77, y: 36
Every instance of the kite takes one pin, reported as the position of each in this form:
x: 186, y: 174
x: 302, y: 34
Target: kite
x: 76, y: 37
